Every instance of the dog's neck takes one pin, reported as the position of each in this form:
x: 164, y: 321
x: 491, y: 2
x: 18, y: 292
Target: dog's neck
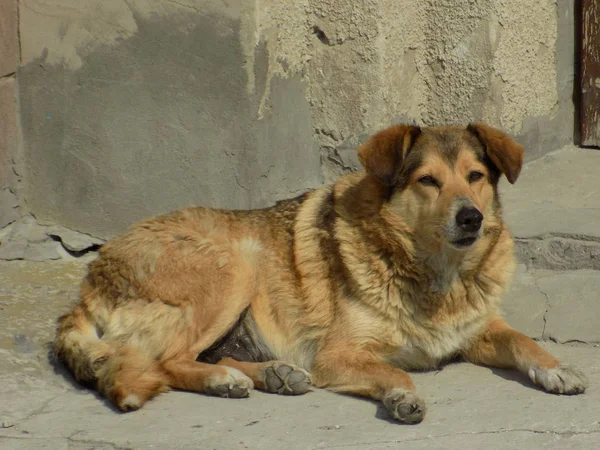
x: 442, y: 270
x: 359, y: 203
x: 438, y: 271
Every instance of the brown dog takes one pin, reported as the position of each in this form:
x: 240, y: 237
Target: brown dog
x: 400, y: 267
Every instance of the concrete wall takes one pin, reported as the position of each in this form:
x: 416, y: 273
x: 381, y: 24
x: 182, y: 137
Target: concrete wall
x: 9, y: 54
x: 133, y: 108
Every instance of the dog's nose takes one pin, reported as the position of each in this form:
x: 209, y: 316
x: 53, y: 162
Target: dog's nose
x: 469, y: 219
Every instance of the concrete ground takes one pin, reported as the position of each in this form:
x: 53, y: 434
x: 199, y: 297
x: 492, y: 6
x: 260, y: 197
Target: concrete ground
x: 554, y: 214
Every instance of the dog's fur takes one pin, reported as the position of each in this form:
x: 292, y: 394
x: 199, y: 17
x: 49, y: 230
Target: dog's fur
x: 355, y: 282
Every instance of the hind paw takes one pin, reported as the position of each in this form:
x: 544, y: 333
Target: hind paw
x: 286, y: 379
x: 232, y: 384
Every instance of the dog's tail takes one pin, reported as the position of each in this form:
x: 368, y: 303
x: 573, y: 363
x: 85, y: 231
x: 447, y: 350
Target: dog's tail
x: 120, y: 372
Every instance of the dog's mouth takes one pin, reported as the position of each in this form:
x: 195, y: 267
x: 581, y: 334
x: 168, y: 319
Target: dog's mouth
x: 465, y: 242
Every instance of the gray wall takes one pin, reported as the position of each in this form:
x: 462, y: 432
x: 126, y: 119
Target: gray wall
x: 9, y: 51
x: 129, y: 109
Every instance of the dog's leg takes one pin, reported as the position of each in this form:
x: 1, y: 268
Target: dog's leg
x: 353, y: 372
x: 211, y: 379
x: 273, y: 376
x: 502, y: 346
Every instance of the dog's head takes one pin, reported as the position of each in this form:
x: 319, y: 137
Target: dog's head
x: 442, y: 181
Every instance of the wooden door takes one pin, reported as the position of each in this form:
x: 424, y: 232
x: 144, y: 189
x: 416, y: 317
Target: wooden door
x: 590, y: 73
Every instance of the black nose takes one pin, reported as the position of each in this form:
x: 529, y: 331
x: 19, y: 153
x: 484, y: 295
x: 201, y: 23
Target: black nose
x: 469, y: 219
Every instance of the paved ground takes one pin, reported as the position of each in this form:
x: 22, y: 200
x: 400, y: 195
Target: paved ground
x: 554, y: 212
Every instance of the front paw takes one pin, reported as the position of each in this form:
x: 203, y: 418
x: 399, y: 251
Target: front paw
x: 404, y: 405
x: 559, y: 380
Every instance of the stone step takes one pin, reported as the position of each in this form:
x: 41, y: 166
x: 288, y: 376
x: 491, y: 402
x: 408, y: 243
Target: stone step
x: 553, y: 210
x: 558, y: 306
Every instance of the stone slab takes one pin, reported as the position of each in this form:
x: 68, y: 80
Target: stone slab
x: 14, y: 249
x: 469, y: 406
x: 42, y: 251
x: 559, y: 253
x: 574, y: 310
x: 524, y: 305
x: 29, y: 230
x: 557, y: 194
x: 26, y: 239
x: 73, y: 240
x: 560, y: 306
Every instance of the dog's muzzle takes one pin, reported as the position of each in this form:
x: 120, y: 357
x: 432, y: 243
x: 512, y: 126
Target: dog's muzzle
x: 469, y: 219
x: 466, y: 226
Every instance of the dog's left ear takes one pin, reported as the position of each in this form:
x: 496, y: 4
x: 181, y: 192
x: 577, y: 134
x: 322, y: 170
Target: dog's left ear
x: 504, y: 152
x: 384, y: 152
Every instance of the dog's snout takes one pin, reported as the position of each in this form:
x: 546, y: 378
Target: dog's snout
x: 469, y: 219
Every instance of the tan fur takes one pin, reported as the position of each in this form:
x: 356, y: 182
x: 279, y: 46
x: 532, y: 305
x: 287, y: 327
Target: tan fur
x: 384, y: 153
x: 355, y: 282
x: 502, y: 150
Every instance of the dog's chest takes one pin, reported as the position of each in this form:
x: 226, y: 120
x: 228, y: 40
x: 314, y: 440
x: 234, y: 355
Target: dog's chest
x: 427, y: 320
x: 427, y: 347
x: 427, y: 337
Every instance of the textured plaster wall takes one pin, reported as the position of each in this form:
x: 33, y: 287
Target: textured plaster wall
x: 132, y: 108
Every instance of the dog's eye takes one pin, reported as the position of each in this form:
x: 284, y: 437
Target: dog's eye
x: 475, y: 176
x: 428, y: 180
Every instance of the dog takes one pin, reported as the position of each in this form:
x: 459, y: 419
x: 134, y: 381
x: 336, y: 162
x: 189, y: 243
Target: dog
x: 348, y: 287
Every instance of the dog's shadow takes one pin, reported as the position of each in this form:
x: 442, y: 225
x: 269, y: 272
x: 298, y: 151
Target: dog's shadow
x: 381, y: 413
x: 513, y: 375
x: 507, y: 374
x: 510, y: 375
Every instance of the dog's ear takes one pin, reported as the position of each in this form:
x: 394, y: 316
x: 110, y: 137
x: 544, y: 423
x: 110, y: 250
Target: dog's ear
x: 504, y: 152
x: 384, y: 152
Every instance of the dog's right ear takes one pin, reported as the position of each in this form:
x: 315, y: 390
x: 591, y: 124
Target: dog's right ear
x: 384, y: 152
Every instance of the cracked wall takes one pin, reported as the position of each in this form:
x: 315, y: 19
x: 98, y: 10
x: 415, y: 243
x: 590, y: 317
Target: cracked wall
x: 154, y: 115
x: 133, y: 108
x: 9, y: 55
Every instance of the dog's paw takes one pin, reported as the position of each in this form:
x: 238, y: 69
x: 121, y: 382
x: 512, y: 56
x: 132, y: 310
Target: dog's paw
x: 286, y: 379
x: 232, y: 384
x: 404, y: 405
x: 559, y: 380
